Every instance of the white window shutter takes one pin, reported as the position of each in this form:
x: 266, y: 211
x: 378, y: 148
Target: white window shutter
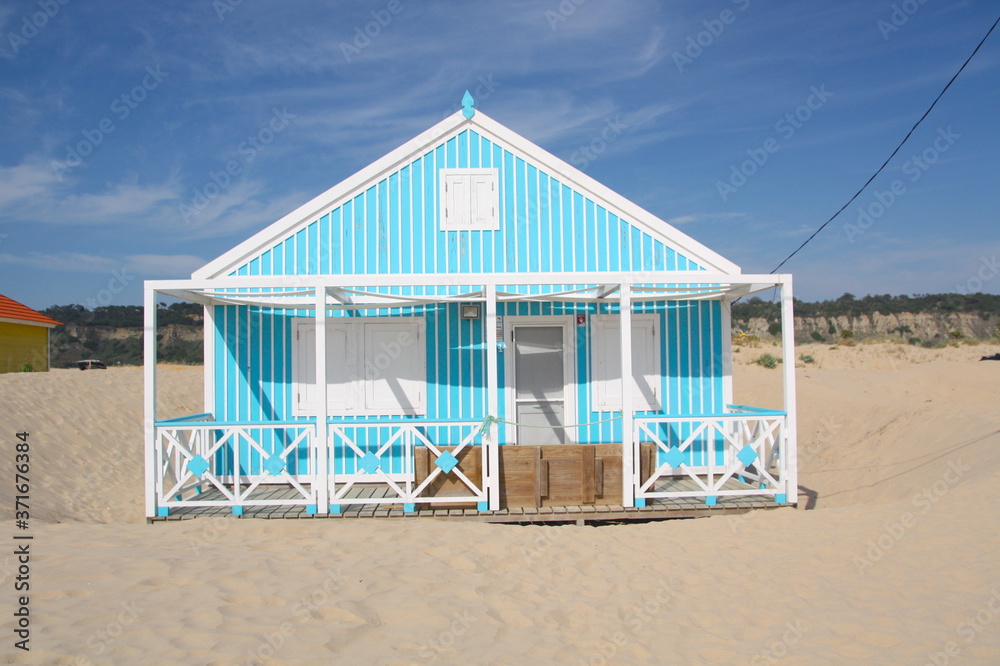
x: 458, y: 205
x: 395, y: 367
x: 305, y: 362
x: 340, y: 367
x: 606, y: 362
x: 483, y: 201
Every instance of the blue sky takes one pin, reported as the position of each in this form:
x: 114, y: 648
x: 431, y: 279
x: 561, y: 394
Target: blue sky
x: 744, y: 123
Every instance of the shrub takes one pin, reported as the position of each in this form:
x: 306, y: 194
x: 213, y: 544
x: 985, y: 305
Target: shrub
x: 748, y: 340
x: 768, y: 361
x: 775, y: 328
x: 817, y: 336
x: 805, y: 358
x: 913, y: 341
x: 27, y: 367
x: 832, y: 330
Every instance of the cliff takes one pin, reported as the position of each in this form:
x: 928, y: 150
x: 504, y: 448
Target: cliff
x: 123, y: 345
x: 925, y: 329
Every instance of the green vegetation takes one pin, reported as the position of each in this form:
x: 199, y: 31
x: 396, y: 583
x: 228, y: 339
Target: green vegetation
x: 817, y: 336
x: 768, y: 361
x: 124, y: 316
x: 806, y: 358
x: 27, y: 367
x: 848, y: 305
x: 113, y: 334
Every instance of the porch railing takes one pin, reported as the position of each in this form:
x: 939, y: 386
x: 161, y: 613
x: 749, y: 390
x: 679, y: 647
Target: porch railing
x: 195, y: 455
x: 201, y: 462
x: 740, y: 452
x: 454, y: 454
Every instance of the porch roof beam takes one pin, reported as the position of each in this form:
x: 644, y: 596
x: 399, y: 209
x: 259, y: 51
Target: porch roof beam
x: 340, y: 295
x: 343, y: 290
x: 607, y: 290
x: 594, y: 279
x: 747, y: 289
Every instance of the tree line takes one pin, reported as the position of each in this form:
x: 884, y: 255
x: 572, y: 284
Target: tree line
x: 850, y: 306
x: 125, y: 316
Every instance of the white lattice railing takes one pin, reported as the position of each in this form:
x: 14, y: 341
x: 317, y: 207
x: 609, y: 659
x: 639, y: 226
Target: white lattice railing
x: 196, y: 455
x: 699, y: 455
x: 383, y: 453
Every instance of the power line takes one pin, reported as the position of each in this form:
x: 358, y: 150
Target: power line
x: 888, y: 159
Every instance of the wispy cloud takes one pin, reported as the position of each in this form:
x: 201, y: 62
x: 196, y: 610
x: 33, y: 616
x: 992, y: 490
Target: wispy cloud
x: 158, y: 265
x: 75, y: 262
x: 703, y: 217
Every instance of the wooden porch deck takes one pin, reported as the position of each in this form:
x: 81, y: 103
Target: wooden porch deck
x: 579, y: 514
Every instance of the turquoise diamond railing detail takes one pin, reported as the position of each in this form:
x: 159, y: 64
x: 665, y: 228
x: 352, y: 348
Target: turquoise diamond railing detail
x: 446, y: 461
x: 747, y: 455
x: 198, y: 466
x: 369, y: 463
x: 274, y: 465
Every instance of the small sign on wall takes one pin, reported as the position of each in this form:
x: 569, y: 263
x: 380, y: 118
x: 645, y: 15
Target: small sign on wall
x: 499, y: 329
x: 581, y: 320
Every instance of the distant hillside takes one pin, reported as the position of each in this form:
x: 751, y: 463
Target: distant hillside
x: 928, y: 320
x: 113, y: 334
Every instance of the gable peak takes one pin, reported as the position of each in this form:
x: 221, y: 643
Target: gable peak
x: 468, y: 104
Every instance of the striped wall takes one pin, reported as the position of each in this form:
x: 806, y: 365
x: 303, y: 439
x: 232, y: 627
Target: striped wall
x: 393, y: 227
x: 254, y: 366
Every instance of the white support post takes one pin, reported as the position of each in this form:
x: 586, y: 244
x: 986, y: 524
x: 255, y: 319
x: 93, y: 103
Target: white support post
x: 323, y: 468
x: 727, y: 352
x: 208, y: 327
x: 149, y: 397
x: 629, y: 473
x: 492, y: 397
x: 790, y: 454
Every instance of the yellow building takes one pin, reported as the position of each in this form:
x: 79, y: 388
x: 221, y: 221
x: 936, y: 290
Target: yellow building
x: 24, y: 337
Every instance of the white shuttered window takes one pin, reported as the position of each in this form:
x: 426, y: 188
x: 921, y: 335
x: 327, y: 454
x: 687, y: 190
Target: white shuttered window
x: 606, y: 363
x: 374, y: 367
x: 469, y: 200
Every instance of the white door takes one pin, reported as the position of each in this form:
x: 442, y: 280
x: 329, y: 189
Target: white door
x: 542, y: 381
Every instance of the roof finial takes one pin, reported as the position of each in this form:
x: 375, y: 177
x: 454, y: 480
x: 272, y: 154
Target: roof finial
x: 467, y: 104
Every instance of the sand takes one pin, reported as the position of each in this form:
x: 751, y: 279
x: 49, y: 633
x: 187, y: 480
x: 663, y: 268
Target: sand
x: 896, y: 561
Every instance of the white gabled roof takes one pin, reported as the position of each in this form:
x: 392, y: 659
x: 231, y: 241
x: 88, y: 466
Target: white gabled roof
x: 422, y: 143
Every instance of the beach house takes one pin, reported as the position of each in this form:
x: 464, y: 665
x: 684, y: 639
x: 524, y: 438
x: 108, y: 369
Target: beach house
x: 24, y: 337
x: 447, y: 331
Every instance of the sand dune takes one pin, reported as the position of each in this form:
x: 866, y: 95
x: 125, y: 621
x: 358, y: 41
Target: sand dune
x: 896, y: 563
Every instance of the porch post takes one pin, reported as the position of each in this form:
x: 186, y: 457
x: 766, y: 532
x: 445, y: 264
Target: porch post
x: 492, y: 397
x: 322, y: 444
x: 790, y: 454
x: 208, y: 328
x: 149, y: 396
x: 726, y: 304
x: 628, y: 459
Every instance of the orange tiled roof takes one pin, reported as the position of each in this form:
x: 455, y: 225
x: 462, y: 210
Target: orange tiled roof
x: 11, y: 309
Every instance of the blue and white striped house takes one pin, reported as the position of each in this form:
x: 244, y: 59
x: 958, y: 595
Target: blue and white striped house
x: 467, y: 289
